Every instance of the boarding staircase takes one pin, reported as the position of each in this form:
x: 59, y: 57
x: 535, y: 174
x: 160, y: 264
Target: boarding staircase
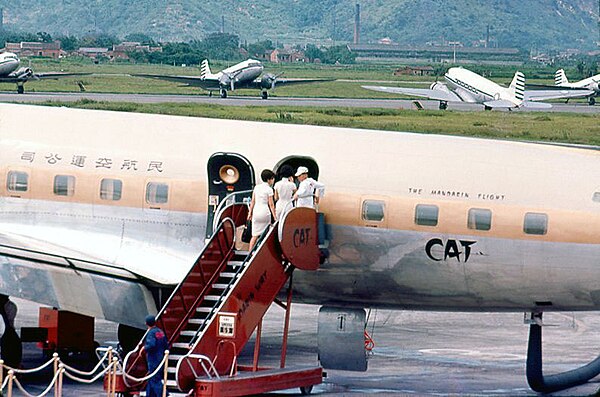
x: 215, y: 309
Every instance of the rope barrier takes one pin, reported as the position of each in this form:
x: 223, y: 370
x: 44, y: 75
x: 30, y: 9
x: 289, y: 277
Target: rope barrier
x: 25, y: 392
x: 147, y: 377
x: 29, y: 371
x: 88, y: 381
x: 90, y: 373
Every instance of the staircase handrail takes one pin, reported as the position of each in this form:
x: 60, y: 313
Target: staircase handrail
x: 223, y: 205
x: 226, y: 290
x: 209, y: 283
x: 201, y: 358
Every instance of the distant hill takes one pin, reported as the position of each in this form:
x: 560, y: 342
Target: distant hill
x: 542, y: 24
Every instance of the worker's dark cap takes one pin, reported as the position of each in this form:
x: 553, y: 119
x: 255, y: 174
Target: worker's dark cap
x: 150, y: 320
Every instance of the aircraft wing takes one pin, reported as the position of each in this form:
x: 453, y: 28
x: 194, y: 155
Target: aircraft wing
x: 258, y: 83
x: 60, y: 277
x: 194, y: 81
x: 543, y: 95
x: 438, y: 95
x: 39, y: 76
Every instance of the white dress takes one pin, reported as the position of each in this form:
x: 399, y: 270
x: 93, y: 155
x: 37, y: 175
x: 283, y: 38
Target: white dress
x: 261, y: 215
x: 285, y: 191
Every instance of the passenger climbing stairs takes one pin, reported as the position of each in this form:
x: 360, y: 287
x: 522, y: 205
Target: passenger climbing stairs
x: 214, y: 311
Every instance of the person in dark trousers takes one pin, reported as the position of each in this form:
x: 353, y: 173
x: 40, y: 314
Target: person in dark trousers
x: 154, y: 346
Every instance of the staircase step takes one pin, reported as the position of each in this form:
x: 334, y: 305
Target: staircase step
x: 227, y: 274
x: 203, y: 309
x: 235, y: 264
x: 212, y: 298
x: 181, y: 345
x: 219, y: 286
x: 196, y: 321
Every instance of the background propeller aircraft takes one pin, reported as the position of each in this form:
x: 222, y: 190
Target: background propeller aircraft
x: 11, y: 72
x: 463, y: 85
x: 245, y: 74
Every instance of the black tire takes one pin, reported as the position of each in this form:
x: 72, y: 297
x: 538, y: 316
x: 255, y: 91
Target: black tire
x: 488, y: 108
x: 20, y: 89
x: 591, y: 101
x: 306, y: 390
x: 443, y: 105
x: 223, y: 94
x: 264, y: 95
x: 129, y: 337
x: 12, y: 348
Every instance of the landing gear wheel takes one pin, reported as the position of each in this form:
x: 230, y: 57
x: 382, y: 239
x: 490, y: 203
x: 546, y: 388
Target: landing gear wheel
x: 264, y: 95
x: 129, y: 337
x: 12, y: 348
x: 223, y: 94
x: 443, y: 105
x: 20, y: 89
x: 488, y: 108
x: 210, y: 94
x: 591, y: 101
x: 306, y: 390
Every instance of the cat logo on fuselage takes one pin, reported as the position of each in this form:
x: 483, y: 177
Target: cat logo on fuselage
x: 451, y: 249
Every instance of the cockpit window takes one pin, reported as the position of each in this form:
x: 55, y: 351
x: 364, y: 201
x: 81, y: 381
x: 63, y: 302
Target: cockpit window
x: 596, y: 197
x: 17, y: 181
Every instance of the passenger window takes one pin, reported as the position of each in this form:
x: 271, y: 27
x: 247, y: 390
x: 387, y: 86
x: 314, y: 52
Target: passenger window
x: 373, y: 210
x: 17, y: 181
x: 426, y: 215
x: 111, y: 189
x: 535, y: 223
x: 157, y: 193
x: 596, y: 197
x: 64, y: 185
x: 479, y: 219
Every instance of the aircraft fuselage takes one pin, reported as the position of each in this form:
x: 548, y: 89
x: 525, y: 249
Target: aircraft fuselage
x: 413, y: 221
x: 9, y: 62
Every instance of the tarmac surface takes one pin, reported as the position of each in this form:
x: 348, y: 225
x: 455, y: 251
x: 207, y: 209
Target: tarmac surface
x: 36, y: 97
x: 416, y: 353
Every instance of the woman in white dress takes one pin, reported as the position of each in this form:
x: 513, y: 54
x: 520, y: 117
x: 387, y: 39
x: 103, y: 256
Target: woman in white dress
x: 262, y: 206
x: 284, y: 191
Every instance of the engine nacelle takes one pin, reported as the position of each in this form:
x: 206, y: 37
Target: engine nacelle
x: 341, y: 338
x: 439, y: 87
x: 267, y: 81
x: 23, y: 73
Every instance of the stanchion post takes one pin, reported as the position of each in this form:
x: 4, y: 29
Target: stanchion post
x: 59, y: 381
x: 11, y: 375
x: 165, y: 373
x: 1, y: 374
x: 114, y: 376
x: 109, y: 374
x: 55, y: 366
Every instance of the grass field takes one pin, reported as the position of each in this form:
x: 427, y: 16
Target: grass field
x: 115, y: 78
x: 551, y: 127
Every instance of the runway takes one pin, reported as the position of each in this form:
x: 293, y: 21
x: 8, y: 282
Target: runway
x: 37, y: 97
x: 416, y: 353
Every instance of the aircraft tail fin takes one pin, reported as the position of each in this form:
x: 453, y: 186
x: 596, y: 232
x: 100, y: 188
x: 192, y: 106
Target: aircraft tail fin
x: 517, y: 86
x: 205, y: 69
x: 560, y: 77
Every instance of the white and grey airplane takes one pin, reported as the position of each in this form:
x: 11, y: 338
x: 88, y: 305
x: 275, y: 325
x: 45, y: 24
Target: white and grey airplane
x: 12, y: 72
x: 246, y: 74
x: 591, y: 83
x: 103, y: 213
x: 463, y: 85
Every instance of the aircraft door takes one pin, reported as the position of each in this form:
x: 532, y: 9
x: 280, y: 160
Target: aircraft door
x: 227, y: 173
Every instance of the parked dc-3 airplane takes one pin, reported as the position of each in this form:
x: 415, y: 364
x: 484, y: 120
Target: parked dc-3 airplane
x: 104, y: 212
x: 11, y: 72
x: 591, y: 83
x: 245, y: 74
x: 463, y: 85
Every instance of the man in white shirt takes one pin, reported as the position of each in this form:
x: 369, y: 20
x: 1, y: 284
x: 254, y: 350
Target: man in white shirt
x: 308, y: 191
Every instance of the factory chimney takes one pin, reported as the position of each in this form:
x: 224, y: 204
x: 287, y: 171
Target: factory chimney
x: 357, y: 24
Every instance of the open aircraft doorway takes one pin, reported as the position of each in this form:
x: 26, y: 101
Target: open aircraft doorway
x: 297, y: 161
x: 227, y: 173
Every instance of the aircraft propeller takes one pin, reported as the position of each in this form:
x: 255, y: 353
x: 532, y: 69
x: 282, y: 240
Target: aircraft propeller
x: 269, y: 80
